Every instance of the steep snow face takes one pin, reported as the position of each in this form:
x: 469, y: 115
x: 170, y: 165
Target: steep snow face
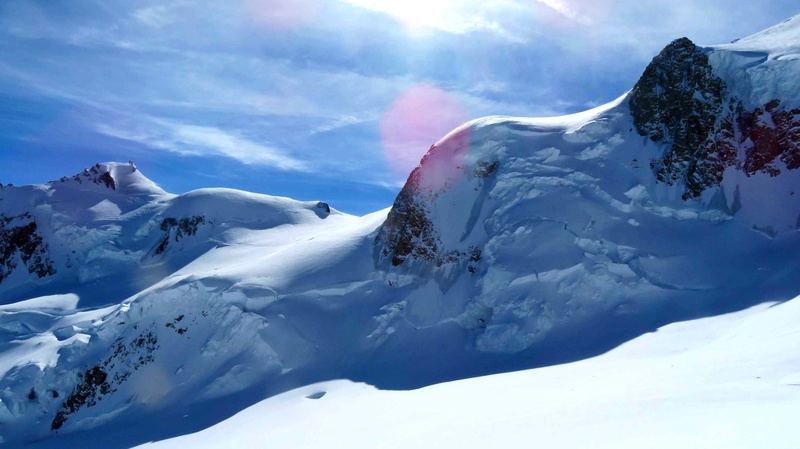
x: 762, y: 67
x: 528, y: 227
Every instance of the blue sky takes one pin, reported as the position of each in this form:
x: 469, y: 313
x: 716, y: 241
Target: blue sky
x: 332, y: 100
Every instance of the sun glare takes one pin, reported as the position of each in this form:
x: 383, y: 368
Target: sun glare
x: 413, y: 13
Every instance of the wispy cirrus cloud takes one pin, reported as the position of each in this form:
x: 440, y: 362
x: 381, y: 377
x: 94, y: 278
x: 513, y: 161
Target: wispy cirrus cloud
x: 193, y: 140
x: 154, y: 16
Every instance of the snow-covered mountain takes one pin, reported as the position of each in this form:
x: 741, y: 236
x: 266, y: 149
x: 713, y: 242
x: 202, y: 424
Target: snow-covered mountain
x: 516, y: 243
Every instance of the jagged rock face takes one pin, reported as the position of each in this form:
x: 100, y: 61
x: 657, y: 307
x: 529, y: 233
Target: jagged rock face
x: 176, y: 229
x: 324, y: 206
x: 104, y: 379
x: 408, y: 230
x: 94, y: 175
x: 411, y: 231
x: 770, y: 134
x: 681, y: 103
x: 19, y: 236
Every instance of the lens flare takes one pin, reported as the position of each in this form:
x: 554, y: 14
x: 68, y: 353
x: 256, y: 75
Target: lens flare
x: 151, y: 385
x: 415, y: 120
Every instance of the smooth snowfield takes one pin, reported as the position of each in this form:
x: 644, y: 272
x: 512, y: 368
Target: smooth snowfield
x: 731, y: 381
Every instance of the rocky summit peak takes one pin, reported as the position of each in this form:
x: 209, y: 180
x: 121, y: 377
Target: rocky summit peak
x: 122, y: 177
x: 684, y: 104
x: 679, y: 102
x: 716, y: 143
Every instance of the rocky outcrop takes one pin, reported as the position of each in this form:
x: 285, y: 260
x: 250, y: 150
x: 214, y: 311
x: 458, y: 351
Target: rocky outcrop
x: 94, y: 175
x: 324, y: 207
x: 680, y: 103
x: 20, y: 240
x: 408, y: 230
x: 103, y: 379
x: 770, y: 134
x: 175, y: 229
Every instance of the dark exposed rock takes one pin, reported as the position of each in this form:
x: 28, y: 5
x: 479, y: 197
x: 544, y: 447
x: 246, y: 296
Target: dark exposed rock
x: 456, y: 257
x: 95, y: 175
x: 768, y: 134
x: 484, y: 169
x: 408, y: 231
x: 107, y: 180
x: 98, y: 380
x: 680, y: 103
x: 324, y: 206
x: 92, y: 384
x: 177, y: 229
x: 19, y: 236
x: 174, y: 325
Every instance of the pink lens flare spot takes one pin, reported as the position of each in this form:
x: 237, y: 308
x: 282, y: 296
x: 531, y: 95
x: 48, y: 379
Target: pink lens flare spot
x: 283, y: 14
x: 416, y: 119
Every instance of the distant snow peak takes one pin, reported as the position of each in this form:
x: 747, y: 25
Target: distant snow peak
x: 115, y: 176
x: 99, y: 174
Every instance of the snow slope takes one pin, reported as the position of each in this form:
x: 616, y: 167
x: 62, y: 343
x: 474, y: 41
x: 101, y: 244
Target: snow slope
x: 130, y: 314
x: 524, y: 229
x: 730, y: 381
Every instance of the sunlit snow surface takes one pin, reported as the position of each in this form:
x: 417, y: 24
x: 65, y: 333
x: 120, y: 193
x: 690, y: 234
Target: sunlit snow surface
x: 581, y: 250
x: 731, y: 381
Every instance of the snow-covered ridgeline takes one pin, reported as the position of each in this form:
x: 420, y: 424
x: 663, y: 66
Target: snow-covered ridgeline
x: 516, y: 243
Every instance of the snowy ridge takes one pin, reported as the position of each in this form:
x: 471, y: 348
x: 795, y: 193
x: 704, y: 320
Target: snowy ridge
x: 111, y: 220
x: 64, y: 354
x: 576, y: 229
x: 760, y: 67
x: 516, y: 243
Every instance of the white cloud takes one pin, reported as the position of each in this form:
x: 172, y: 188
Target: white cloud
x: 337, y: 123
x: 448, y: 15
x: 205, y: 141
x: 153, y: 16
x: 199, y: 78
x: 567, y: 9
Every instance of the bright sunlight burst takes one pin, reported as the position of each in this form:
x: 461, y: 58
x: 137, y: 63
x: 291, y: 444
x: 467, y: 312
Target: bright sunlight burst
x: 418, y: 13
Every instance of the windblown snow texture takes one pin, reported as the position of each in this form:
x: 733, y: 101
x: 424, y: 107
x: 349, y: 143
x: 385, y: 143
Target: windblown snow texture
x: 516, y: 243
